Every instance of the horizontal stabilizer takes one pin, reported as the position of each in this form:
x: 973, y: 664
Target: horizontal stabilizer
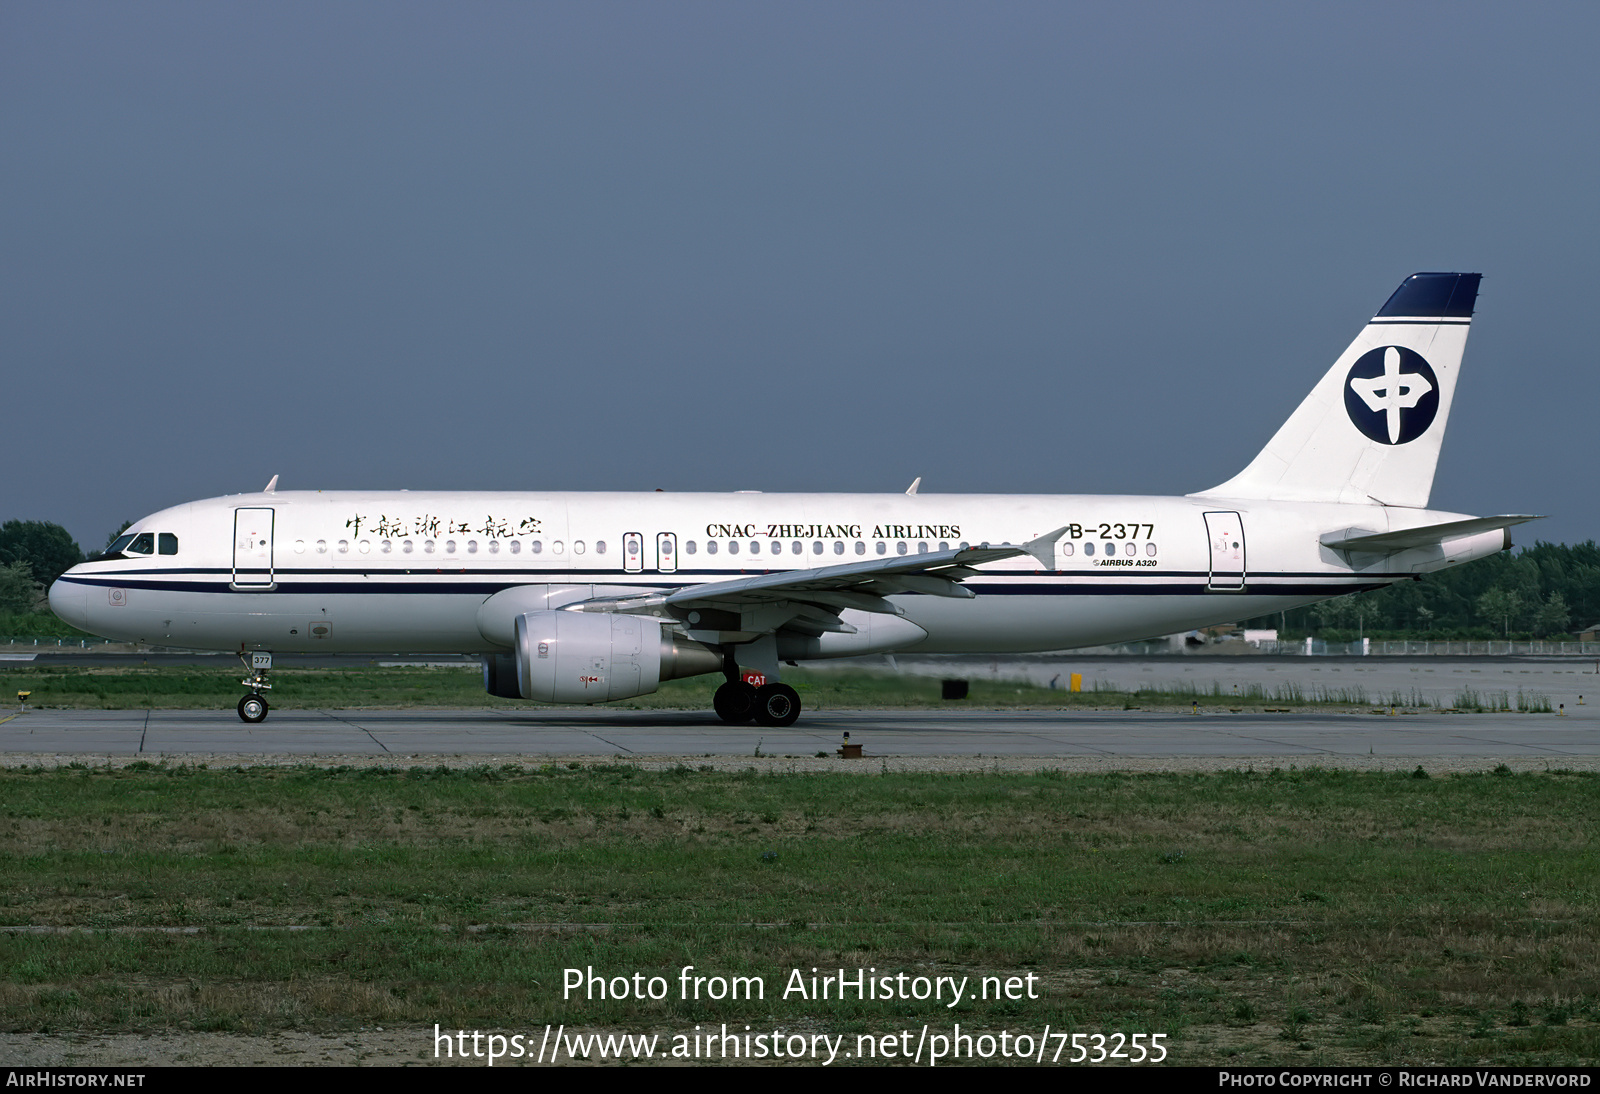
x: 1357, y: 539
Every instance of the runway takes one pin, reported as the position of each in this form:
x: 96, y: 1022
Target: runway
x: 1309, y: 738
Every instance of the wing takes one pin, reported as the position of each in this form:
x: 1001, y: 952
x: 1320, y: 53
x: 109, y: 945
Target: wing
x: 811, y: 600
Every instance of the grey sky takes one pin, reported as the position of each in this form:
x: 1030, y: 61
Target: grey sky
x: 1012, y: 248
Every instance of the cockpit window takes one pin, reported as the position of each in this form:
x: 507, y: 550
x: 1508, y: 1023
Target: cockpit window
x: 169, y: 543
x: 143, y: 544
x: 116, y: 548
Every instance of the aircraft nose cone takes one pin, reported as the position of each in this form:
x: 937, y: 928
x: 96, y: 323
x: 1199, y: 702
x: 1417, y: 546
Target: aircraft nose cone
x: 70, y: 602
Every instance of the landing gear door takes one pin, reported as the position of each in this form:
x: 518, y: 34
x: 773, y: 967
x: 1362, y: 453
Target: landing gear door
x: 667, y: 552
x: 1226, y: 534
x: 252, y: 548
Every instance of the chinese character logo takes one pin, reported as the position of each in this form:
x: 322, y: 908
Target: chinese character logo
x: 1391, y: 395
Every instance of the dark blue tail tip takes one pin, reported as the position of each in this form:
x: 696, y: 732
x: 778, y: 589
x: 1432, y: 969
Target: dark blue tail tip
x: 1434, y: 296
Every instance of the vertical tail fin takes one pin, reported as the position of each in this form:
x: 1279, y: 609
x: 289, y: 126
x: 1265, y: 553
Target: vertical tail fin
x: 1371, y: 429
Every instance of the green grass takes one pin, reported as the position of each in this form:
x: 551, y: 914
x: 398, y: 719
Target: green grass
x: 1281, y: 917
x: 165, y: 688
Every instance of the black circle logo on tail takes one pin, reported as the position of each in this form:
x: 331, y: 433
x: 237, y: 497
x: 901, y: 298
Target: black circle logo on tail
x: 1391, y: 394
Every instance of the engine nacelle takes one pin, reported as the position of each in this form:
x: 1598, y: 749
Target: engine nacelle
x: 500, y: 675
x: 593, y: 657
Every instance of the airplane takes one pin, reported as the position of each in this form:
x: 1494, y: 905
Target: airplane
x: 595, y: 597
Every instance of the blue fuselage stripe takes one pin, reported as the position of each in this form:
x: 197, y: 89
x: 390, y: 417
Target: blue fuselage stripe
x: 1119, y: 584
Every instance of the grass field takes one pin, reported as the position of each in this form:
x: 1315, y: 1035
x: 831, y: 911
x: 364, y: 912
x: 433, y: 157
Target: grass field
x: 169, y: 688
x: 1291, y: 917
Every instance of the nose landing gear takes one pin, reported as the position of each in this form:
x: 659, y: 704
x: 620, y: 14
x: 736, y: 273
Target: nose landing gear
x: 253, y: 707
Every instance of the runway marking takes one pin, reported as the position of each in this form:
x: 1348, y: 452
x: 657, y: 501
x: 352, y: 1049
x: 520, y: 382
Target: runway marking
x: 144, y: 731
x: 1508, y: 744
x: 8, y: 718
x: 1286, y: 744
x: 613, y: 744
x: 1070, y: 743
x: 357, y: 725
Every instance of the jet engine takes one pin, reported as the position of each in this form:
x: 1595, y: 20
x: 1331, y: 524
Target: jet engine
x: 591, y: 657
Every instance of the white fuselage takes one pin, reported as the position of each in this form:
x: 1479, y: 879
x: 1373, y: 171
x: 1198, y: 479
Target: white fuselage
x: 415, y: 571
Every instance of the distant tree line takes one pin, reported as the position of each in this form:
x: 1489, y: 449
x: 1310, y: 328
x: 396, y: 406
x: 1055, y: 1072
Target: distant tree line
x: 33, y: 553
x: 1545, y: 591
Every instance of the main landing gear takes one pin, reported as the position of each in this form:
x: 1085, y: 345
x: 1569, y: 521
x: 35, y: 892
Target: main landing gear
x: 739, y: 702
x: 253, y: 707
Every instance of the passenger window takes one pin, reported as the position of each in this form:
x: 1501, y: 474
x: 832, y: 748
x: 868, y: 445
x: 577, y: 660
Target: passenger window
x: 536, y: 547
x: 1150, y: 549
x: 861, y: 546
x: 577, y: 547
x: 922, y: 548
x: 599, y: 546
x: 169, y: 543
x: 883, y: 547
x: 799, y: 548
x: 943, y: 546
x: 711, y: 546
x: 690, y: 547
x: 143, y: 544
x: 755, y: 547
x: 1068, y: 549
x: 838, y: 547
x: 733, y: 546
x: 900, y: 547
x: 494, y: 546
x: 1088, y: 548
x: 816, y: 548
